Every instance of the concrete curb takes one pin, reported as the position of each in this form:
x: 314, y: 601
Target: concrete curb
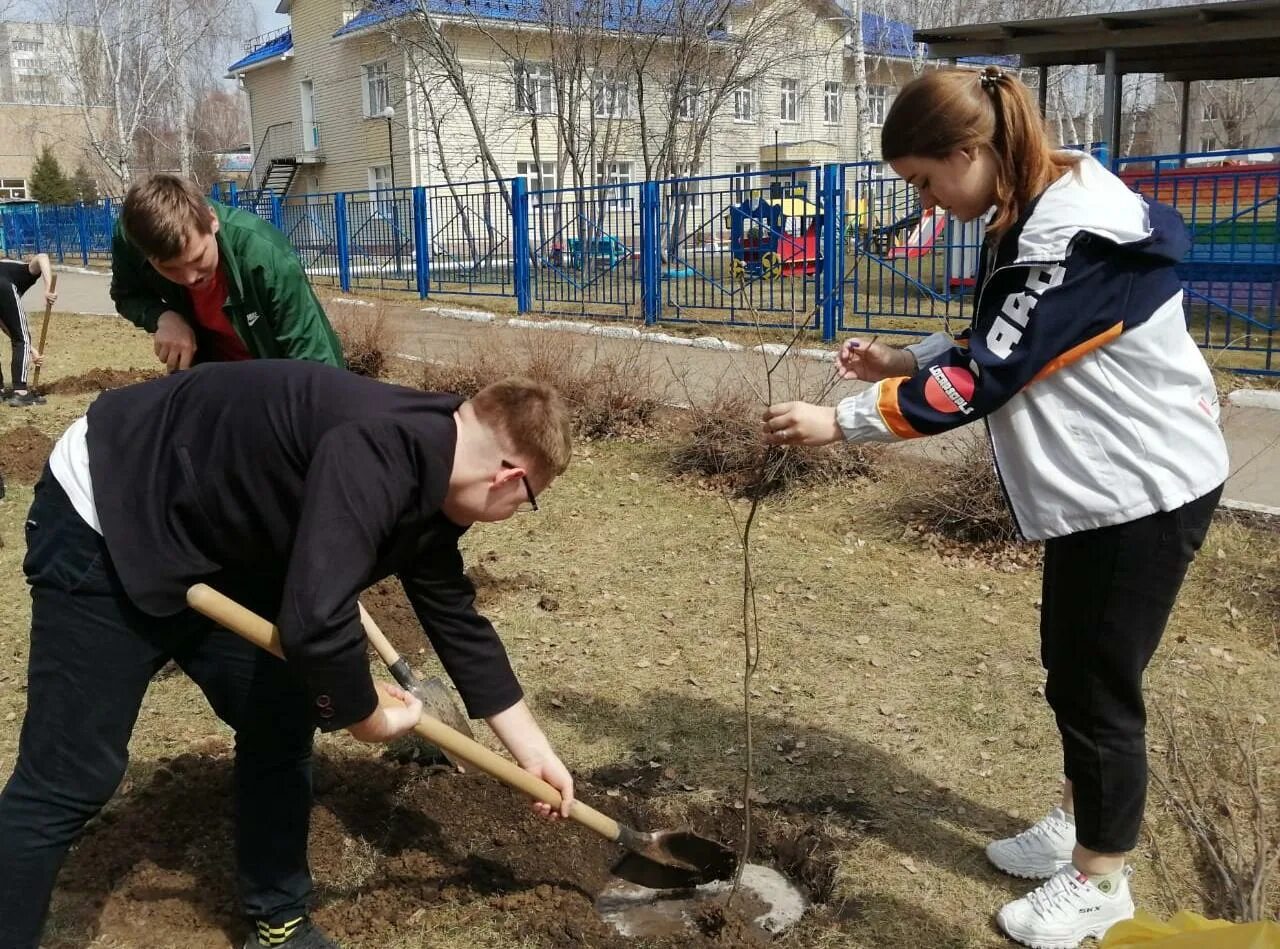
x: 1256, y: 398
x: 609, y: 331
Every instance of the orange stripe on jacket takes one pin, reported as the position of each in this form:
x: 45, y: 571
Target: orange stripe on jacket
x: 890, y: 414
x: 1076, y: 353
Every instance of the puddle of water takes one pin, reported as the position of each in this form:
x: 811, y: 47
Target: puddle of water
x: 767, y: 900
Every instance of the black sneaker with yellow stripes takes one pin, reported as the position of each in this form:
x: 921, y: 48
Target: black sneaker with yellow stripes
x: 298, y: 933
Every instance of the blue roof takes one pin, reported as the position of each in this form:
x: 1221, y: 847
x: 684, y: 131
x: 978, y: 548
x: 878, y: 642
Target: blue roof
x: 269, y: 50
x: 883, y: 37
x: 638, y: 16
x: 887, y: 37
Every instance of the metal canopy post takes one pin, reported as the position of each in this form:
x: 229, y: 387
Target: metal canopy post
x: 1043, y: 74
x: 1111, y: 104
x: 1183, y: 123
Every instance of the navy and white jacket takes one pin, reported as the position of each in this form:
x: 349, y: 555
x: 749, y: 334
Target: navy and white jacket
x: 1099, y: 405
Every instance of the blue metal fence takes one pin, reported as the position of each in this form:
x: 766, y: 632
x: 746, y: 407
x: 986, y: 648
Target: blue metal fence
x: 841, y: 248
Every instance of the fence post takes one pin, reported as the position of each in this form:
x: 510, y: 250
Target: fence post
x: 82, y: 231
x: 233, y: 197
x: 520, y: 243
x: 342, y: 238
x: 421, y: 242
x: 56, y: 216
x: 650, y: 253
x: 215, y: 191
x: 277, y: 212
x: 830, y: 261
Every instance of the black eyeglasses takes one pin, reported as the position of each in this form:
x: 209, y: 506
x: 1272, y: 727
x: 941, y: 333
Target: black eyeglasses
x: 532, y: 503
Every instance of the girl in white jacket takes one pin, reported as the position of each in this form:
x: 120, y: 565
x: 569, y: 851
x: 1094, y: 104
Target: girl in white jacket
x: 1103, y: 420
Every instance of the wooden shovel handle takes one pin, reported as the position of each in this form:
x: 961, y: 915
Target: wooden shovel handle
x: 243, y: 622
x: 44, y: 328
x: 381, y: 645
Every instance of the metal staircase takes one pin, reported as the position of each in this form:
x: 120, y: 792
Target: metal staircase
x: 279, y: 157
x: 279, y: 176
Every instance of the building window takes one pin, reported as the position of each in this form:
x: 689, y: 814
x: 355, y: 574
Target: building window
x: 684, y: 185
x: 788, y: 100
x: 614, y: 176
x: 541, y: 177
x: 1209, y: 142
x: 611, y: 94
x: 744, y: 105
x: 27, y: 46
x: 831, y: 95
x: 690, y: 105
x: 351, y: 9
x: 535, y: 89
x: 375, y: 89
x: 879, y: 98
x: 380, y: 178
x: 13, y: 189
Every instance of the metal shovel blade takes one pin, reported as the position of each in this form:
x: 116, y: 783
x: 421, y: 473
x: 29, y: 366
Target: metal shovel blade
x: 673, y: 859
x: 438, y: 703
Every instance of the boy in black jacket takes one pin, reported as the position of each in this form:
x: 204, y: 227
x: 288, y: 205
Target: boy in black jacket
x: 290, y: 486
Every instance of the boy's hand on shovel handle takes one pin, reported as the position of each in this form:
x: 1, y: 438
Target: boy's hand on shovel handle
x: 397, y: 713
x: 552, y: 770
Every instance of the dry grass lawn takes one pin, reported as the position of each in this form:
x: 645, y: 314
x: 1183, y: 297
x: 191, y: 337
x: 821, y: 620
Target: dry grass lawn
x: 890, y: 676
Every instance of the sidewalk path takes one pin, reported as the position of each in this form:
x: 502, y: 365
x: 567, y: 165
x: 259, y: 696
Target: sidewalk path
x: 1251, y: 418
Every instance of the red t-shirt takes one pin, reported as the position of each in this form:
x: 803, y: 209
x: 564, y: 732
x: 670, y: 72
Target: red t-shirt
x: 217, y: 338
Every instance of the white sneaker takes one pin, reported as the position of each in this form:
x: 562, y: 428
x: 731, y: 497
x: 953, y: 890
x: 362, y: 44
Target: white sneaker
x: 1038, y: 852
x: 1064, y: 910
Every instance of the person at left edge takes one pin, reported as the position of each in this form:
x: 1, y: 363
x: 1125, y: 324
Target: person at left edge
x: 212, y: 283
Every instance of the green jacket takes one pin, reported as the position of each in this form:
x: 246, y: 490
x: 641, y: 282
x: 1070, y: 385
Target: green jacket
x: 269, y: 300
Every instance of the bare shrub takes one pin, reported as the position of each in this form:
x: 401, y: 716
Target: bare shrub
x: 1215, y: 781
x: 367, y: 338
x: 611, y: 388
x: 721, y: 441
x: 958, y: 496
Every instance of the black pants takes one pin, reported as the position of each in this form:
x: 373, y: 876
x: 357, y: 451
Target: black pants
x: 14, y: 323
x: 92, y: 656
x: 1107, y: 597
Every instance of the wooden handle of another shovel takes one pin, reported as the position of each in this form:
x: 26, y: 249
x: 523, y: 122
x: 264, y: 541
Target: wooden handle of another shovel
x: 243, y: 622
x: 44, y: 329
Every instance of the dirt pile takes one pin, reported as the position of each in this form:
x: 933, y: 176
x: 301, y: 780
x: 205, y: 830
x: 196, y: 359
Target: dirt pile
x: 392, y: 847
x: 23, y: 452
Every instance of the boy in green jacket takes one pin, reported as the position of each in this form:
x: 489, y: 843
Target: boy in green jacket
x: 212, y: 283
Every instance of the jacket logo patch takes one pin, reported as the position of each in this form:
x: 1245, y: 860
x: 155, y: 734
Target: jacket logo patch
x: 1006, y: 332
x: 949, y: 389
x: 252, y: 318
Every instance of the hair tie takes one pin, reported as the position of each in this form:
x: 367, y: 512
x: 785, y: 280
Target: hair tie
x: 990, y: 78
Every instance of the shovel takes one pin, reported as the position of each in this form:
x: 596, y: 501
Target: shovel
x: 432, y: 693
x: 660, y: 860
x: 44, y: 331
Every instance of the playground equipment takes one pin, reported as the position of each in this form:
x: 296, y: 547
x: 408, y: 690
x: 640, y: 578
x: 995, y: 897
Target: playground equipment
x: 773, y: 237
x: 1230, y: 206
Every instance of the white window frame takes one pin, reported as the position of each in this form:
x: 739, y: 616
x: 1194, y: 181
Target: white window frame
x: 382, y: 199
x: 380, y: 177
x: 744, y: 105
x: 539, y: 176
x: 535, y: 91
x: 612, y: 173
x: 13, y: 189
x: 375, y: 88
x: 788, y: 100
x: 832, y: 102
x: 879, y: 99
x: 611, y: 95
x: 691, y: 105
x: 693, y: 195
